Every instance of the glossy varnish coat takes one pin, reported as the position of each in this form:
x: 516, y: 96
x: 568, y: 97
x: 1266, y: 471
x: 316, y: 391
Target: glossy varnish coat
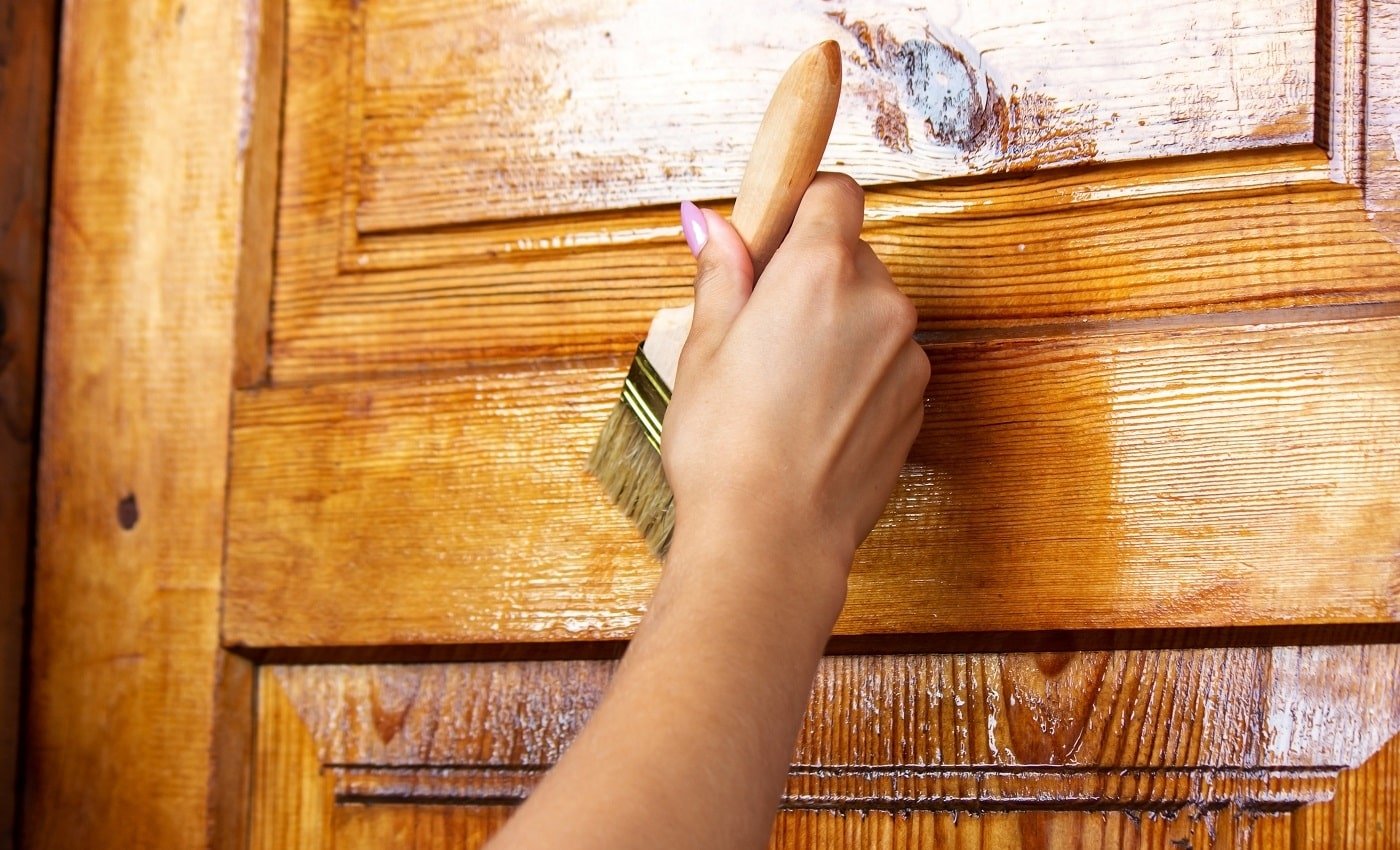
x: 1242, y: 747
x: 1159, y: 477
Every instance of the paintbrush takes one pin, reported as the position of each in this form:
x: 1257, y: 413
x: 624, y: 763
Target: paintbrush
x: 791, y: 141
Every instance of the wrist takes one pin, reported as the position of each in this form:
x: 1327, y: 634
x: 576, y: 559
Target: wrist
x: 798, y: 579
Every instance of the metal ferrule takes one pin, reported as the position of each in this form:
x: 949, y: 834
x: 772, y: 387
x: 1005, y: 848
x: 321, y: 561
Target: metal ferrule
x: 647, y: 396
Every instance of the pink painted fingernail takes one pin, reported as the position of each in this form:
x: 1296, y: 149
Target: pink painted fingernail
x: 693, y: 225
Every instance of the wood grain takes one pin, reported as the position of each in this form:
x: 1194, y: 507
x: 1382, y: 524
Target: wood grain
x: 354, y: 300
x: 1161, y: 477
x: 1381, y: 154
x: 1365, y: 812
x: 1227, y: 747
x: 1241, y: 708
x: 148, y: 186
x: 28, y: 39
x: 1341, y: 86
x: 260, y: 137
x: 1196, y: 236
x: 430, y: 827
x: 514, y: 108
x: 292, y: 803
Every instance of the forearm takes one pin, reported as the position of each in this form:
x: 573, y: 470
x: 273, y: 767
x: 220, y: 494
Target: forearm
x: 793, y: 410
x: 691, y: 743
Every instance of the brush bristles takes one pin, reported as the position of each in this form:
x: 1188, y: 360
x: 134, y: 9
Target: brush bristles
x: 629, y: 468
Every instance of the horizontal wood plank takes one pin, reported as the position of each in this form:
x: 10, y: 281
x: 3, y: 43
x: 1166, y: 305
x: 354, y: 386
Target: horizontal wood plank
x: 433, y: 826
x: 1139, y: 748
x: 1240, y: 708
x: 1154, y: 478
x: 1211, y: 234
x: 495, y: 110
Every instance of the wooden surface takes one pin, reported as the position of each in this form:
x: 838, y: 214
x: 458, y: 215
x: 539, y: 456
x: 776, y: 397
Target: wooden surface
x: 1365, y: 811
x: 564, y: 109
x: 585, y: 278
x: 1170, y: 397
x: 28, y: 36
x: 1142, y: 478
x: 1226, y: 748
x: 1181, y: 236
x: 148, y: 186
x: 432, y: 827
x: 1163, y: 391
x: 292, y: 801
x: 260, y: 137
x: 1380, y: 166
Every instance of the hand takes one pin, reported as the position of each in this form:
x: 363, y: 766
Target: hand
x: 796, y: 401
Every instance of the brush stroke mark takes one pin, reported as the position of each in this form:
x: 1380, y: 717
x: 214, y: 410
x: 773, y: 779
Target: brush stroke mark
x: 927, y: 84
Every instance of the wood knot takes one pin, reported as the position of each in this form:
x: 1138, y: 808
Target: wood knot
x: 127, y: 512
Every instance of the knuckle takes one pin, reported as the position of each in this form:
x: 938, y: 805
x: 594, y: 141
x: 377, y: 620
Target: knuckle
x: 903, y: 315
x: 836, y: 191
x: 843, y: 186
x: 923, y: 367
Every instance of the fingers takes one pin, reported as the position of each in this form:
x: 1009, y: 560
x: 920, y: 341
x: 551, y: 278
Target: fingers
x: 890, y: 307
x: 723, y: 282
x: 833, y: 209
x: 919, y: 370
x: 904, y: 386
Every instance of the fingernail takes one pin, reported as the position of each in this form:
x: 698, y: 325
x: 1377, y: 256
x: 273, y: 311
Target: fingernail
x: 694, y: 228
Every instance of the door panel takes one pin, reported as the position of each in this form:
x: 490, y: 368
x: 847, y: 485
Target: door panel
x: 1129, y: 479
x: 497, y: 110
x: 388, y: 259
x: 1128, y: 748
x: 1245, y: 231
x: 1163, y: 387
x: 1152, y: 264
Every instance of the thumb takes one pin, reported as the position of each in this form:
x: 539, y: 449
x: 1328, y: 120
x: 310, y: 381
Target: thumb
x: 725, y: 277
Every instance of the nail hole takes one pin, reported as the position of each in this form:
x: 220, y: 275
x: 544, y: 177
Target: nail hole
x: 127, y: 512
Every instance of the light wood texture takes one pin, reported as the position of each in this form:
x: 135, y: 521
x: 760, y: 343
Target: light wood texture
x: 260, y: 138
x: 1365, y: 811
x: 292, y: 800
x: 787, y: 150
x: 1169, y: 395
x: 432, y: 827
x: 1225, y: 747
x: 434, y: 288
x: 1205, y: 235
x: 1341, y: 86
x: 28, y: 38
x: 127, y: 742
x: 1381, y: 154
x: 1161, y: 477
x: 231, y: 754
x: 564, y: 109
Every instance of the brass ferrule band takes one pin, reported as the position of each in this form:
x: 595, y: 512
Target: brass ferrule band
x: 647, y: 396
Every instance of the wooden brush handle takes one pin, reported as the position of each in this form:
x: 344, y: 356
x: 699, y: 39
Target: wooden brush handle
x: 791, y: 141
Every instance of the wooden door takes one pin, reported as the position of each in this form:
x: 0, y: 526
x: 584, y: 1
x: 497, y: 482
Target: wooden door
x: 313, y: 486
